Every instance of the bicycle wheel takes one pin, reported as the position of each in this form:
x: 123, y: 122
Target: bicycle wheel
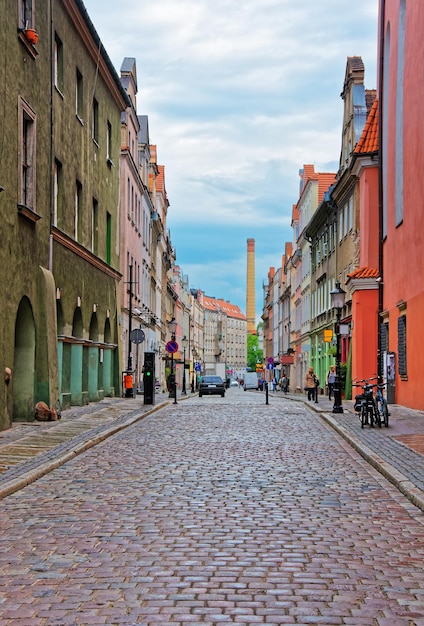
x: 364, y: 415
x: 376, y: 413
x: 370, y: 415
x: 384, y: 412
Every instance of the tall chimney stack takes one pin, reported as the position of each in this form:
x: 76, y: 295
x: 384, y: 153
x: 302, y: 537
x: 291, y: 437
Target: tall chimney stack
x: 250, y: 288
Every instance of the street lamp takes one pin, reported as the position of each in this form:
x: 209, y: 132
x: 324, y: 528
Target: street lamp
x: 185, y: 343
x: 172, y: 383
x: 337, y: 301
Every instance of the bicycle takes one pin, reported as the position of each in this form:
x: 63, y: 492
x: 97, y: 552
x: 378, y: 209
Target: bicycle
x: 366, y: 404
x: 382, y: 404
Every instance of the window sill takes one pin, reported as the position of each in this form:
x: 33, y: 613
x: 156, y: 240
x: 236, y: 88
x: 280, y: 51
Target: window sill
x: 28, y: 213
x: 32, y: 50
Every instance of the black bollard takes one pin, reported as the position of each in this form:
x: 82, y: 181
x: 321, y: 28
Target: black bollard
x: 266, y: 393
x: 175, y: 393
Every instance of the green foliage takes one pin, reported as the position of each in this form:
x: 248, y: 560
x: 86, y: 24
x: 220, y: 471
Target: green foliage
x: 254, y: 353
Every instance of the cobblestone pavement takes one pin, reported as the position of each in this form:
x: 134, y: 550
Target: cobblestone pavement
x: 397, y: 451
x: 214, y: 511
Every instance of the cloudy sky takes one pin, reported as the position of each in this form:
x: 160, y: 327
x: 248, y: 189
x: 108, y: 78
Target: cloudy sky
x: 239, y: 96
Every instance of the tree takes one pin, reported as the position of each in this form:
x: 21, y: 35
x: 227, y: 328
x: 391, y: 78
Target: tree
x: 254, y: 353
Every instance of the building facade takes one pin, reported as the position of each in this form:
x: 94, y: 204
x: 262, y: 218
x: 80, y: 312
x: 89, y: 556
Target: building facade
x: 60, y: 205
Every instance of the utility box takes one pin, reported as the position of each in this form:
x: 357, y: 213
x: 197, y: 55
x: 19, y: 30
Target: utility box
x: 390, y: 376
x: 149, y: 378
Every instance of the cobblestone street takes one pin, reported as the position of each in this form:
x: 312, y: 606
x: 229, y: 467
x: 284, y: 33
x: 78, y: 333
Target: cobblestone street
x: 214, y: 511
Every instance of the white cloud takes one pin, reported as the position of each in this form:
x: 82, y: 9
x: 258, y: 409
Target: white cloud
x: 239, y: 96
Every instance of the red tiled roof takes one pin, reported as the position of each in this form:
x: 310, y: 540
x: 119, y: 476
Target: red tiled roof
x: 363, y: 272
x: 368, y: 141
x: 324, y: 183
x: 231, y: 310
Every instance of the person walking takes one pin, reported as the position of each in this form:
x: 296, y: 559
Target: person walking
x: 331, y: 379
x: 310, y: 385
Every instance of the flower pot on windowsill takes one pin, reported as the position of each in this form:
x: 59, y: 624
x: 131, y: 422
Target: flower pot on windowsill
x: 31, y: 36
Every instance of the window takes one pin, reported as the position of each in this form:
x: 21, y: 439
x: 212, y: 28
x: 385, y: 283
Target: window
x: 108, y: 237
x: 95, y: 121
x: 26, y: 14
x: 27, y: 156
x: 402, y: 364
x: 345, y: 219
x: 79, y: 95
x: 95, y: 227
x: 58, y: 64
x: 109, y: 144
x: 350, y: 227
x: 58, y: 193
x: 78, y: 212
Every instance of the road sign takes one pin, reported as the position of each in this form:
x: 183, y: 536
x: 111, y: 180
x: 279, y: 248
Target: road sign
x: 171, y: 347
x: 137, y: 335
x: 197, y: 366
x: 271, y: 360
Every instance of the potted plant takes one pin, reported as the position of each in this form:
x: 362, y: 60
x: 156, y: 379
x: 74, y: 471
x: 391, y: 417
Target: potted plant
x: 31, y: 35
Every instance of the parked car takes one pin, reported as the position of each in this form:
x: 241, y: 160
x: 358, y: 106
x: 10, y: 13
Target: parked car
x: 234, y: 383
x: 211, y: 385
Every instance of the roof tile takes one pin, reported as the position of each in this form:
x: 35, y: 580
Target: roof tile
x: 364, y: 272
x: 368, y: 141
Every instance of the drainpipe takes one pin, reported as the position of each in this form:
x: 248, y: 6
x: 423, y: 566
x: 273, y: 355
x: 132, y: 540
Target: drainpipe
x: 51, y: 135
x: 380, y: 185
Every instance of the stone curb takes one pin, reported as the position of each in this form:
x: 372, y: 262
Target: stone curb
x: 401, y: 482
x: 389, y: 472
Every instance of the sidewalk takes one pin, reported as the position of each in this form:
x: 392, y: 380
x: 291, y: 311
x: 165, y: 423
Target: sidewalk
x: 397, y: 452
x: 30, y: 450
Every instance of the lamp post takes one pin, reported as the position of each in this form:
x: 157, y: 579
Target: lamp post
x: 172, y: 383
x: 337, y: 301
x: 184, y: 342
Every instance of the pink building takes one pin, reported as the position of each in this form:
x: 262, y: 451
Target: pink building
x: 401, y: 89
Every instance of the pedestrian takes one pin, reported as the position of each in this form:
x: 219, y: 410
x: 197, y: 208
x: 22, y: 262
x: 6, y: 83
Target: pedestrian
x: 331, y: 378
x: 284, y: 384
x: 310, y: 385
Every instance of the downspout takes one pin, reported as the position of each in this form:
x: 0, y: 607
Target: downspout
x: 51, y: 136
x: 380, y: 187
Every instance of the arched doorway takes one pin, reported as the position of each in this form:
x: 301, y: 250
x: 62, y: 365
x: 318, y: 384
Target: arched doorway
x: 24, y: 363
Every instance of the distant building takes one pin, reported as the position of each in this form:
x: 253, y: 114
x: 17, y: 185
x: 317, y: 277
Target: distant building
x: 225, y: 332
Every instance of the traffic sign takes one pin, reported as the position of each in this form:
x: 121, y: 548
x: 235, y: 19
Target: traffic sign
x: 271, y: 359
x: 137, y: 335
x: 197, y: 366
x: 171, y: 347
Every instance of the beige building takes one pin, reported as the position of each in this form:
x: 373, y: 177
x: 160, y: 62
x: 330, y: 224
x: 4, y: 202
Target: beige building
x: 225, y: 333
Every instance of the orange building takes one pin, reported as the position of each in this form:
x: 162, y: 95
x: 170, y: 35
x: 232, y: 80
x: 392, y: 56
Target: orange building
x: 363, y: 282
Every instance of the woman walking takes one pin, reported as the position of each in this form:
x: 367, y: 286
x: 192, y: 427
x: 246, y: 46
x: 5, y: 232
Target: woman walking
x: 310, y: 384
x: 331, y: 378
